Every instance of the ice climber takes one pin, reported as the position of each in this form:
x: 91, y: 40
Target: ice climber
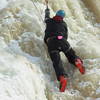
x: 56, y: 34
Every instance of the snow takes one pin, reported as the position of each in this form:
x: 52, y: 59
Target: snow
x: 26, y: 71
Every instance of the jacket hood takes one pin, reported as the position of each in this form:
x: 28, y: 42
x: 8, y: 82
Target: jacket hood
x: 58, y: 18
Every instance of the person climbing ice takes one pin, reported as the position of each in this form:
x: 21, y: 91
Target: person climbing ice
x: 56, y: 34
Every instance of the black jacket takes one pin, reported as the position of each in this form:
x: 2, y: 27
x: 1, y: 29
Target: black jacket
x: 54, y: 26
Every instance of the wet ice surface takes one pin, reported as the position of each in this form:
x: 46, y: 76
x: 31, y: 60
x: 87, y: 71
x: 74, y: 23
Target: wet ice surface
x: 25, y: 68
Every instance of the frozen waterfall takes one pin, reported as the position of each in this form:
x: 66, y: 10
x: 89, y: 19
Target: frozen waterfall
x: 26, y: 72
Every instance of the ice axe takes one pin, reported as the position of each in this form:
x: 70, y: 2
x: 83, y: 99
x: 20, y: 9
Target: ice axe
x: 46, y: 3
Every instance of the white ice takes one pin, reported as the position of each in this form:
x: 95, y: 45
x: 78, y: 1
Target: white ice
x: 26, y: 71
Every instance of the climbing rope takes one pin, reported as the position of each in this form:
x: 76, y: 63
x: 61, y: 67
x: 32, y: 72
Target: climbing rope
x: 46, y: 1
x: 37, y: 10
x: 42, y: 19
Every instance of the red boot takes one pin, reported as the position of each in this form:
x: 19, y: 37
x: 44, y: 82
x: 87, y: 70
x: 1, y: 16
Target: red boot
x: 79, y: 65
x: 63, y: 83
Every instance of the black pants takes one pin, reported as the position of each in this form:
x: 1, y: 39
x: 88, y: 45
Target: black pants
x: 55, y: 46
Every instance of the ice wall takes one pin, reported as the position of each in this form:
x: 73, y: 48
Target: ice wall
x: 94, y: 6
x: 20, y: 75
x: 26, y: 72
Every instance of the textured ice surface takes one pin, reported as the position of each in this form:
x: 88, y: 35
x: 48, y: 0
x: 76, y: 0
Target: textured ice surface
x: 26, y: 72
